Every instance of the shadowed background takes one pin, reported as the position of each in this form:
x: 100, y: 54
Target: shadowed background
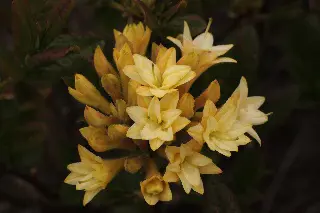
x: 43, y: 43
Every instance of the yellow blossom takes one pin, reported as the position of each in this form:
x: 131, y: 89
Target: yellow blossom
x: 101, y: 64
x: 200, y: 53
x: 102, y: 139
x: 92, y: 174
x: 112, y: 85
x: 187, y: 164
x: 88, y: 94
x: 123, y: 57
x: 154, y: 188
x: 159, y: 122
x: 249, y: 109
x: 221, y: 129
x: 96, y: 118
x: 158, y: 79
x: 135, y: 35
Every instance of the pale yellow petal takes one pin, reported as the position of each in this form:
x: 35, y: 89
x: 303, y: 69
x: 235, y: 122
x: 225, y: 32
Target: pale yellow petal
x: 169, y: 116
x: 210, y: 169
x: 198, y: 159
x: 185, y: 183
x: 154, y: 110
x: 138, y: 114
x: 199, y: 188
x: 224, y: 60
x: 150, y: 131
x: 186, y: 31
x: 179, y: 124
x: 191, y: 173
x: 144, y: 91
x: 159, y: 93
x: 254, y: 134
x: 175, y: 41
x: 188, y: 77
x: 144, y: 67
x: 169, y: 101
x: 155, y: 143
x: 143, y: 101
x: 73, y: 178
x: 186, y: 105
x: 170, y: 177
x: 134, y: 131
x: 166, y: 194
x: 131, y: 72
x: 196, y: 132
x: 221, y: 49
x: 171, y: 151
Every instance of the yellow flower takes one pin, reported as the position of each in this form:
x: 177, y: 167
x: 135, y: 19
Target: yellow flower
x: 159, y: 122
x: 201, y: 43
x: 101, y: 64
x: 92, y: 174
x: 136, y: 36
x: 96, y: 118
x: 187, y: 164
x: 249, y: 109
x: 102, y: 139
x: 221, y: 129
x: 88, y: 94
x: 156, y: 79
x: 154, y: 188
x: 200, y: 53
x: 123, y: 57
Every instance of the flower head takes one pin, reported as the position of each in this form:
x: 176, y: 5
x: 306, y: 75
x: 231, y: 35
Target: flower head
x: 135, y: 35
x: 200, y: 53
x: 159, y: 122
x: 222, y: 129
x: 187, y: 164
x: 92, y: 174
x: 158, y: 79
x: 154, y: 188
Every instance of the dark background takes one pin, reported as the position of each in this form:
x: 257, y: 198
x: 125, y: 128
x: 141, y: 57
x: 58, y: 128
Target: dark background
x: 277, y: 46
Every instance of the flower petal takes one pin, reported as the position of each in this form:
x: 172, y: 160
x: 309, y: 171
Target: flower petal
x: 170, y: 177
x: 210, y: 169
x: 138, y: 114
x: 185, y: 183
x: 131, y: 72
x: 191, y: 173
x: 169, y: 116
x: 166, y: 194
x: 155, y: 143
x: 169, y: 101
x: 196, y: 132
x: 179, y: 124
x: 154, y: 110
x: 143, y: 91
x: 198, y: 159
x: 134, y: 131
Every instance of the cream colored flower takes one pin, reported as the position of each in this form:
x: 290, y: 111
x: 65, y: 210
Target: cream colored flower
x: 187, y: 164
x: 200, y: 53
x: 159, y: 122
x: 92, y: 174
x: 249, y: 109
x: 136, y: 36
x: 221, y: 129
x: 158, y: 80
x: 201, y: 43
x: 154, y: 188
x: 86, y: 93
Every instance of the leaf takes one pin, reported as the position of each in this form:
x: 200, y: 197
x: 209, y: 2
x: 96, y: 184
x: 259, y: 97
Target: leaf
x: 196, y: 23
x: 219, y: 198
x: 58, y: 17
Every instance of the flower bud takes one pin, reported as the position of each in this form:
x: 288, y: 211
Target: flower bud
x: 101, y: 63
x: 112, y: 86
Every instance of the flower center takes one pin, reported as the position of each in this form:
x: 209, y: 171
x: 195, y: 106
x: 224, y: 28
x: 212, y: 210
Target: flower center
x: 154, y: 187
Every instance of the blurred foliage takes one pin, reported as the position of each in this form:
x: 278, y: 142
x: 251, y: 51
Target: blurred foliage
x: 277, y: 44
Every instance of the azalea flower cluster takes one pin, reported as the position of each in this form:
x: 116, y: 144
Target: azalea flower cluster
x: 149, y: 104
